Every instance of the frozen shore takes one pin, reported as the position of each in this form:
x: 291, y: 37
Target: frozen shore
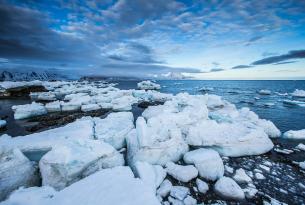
x: 153, y: 159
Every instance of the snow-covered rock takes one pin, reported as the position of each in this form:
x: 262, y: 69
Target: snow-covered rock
x: 90, y: 107
x: 114, y: 128
x: 264, y: 92
x: 15, y: 171
x: 298, y: 93
x: 181, y: 173
x: 2, y: 123
x: 28, y: 110
x: 164, y: 188
x: 207, y: 161
x: 68, y: 163
x: 151, y: 175
x: 148, y: 85
x: 295, y: 134
x: 53, y: 106
x: 229, y: 189
x: 241, y: 176
x: 202, y: 186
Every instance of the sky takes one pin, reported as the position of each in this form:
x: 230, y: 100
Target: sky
x: 212, y: 39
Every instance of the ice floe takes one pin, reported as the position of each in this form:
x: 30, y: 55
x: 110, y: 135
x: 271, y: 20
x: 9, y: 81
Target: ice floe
x: 109, y: 186
x: 54, y: 106
x: 294, y: 102
x: 179, y: 192
x: 295, y: 134
x: 28, y: 110
x: 68, y: 163
x: 229, y: 189
x: 90, y: 107
x: 180, y: 172
x: 43, y: 96
x: 15, y: 171
x: 152, y: 175
x: 298, y: 93
x: 207, y: 161
x: 164, y: 188
x: 114, y: 128
x: 2, y: 123
x: 148, y: 85
x: 301, y: 147
x: 30, y: 196
x: 202, y: 186
x: 264, y: 92
x: 241, y: 176
x: 146, y: 143
x: 44, y: 141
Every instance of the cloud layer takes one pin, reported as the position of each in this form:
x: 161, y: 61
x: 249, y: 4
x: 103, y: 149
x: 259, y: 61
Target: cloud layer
x: 137, y: 37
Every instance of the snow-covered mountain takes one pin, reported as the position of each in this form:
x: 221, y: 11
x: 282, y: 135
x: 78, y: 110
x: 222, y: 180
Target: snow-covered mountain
x: 29, y: 75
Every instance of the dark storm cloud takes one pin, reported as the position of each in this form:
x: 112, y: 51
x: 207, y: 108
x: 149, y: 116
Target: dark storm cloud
x: 135, y: 53
x: 24, y: 33
x: 296, y: 54
x: 241, y: 66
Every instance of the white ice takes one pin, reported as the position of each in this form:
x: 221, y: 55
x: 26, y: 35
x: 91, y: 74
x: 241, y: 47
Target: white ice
x: 229, y: 189
x: 180, y: 172
x: 68, y: 163
x: 264, y: 92
x: 148, y: 85
x: 2, y: 123
x: 114, y: 128
x: 298, y: 93
x: 207, y: 161
x: 294, y: 134
x: 15, y: 171
x: 28, y: 110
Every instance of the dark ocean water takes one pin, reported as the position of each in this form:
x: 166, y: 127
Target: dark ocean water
x: 242, y: 94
